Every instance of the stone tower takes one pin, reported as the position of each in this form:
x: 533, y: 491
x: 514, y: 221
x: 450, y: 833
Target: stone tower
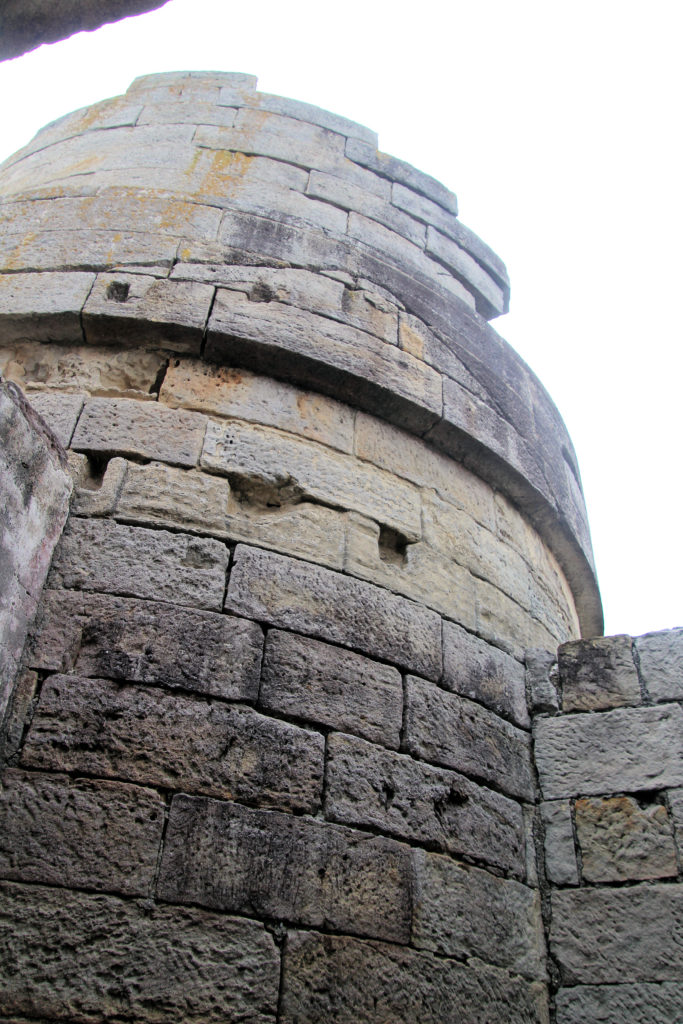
x: 268, y: 749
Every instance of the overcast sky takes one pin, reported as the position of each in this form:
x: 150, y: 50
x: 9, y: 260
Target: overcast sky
x: 559, y: 127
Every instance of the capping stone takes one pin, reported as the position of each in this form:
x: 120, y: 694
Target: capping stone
x: 43, y: 307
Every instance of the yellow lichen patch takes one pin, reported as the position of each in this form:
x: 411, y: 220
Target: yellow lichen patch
x: 224, y: 174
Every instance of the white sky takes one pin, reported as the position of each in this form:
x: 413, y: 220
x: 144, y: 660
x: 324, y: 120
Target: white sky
x: 559, y: 127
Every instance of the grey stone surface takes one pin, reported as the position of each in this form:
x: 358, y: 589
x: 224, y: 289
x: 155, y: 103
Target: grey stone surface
x: 560, y: 855
x: 294, y: 869
x: 660, y: 656
x: 302, y: 112
x: 79, y: 833
x: 676, y: 805
x: 148, y: 429
x: 308, y: 599
x: 43, y: 307
x: 541, y: 681
x: 342, y: 980
x: 60, y: 412
x: 475, y: 669
x: 621, y: 840
x: 628, y: 749
x: 319, y: 683
x: 348, y: 196
x: 147, y: 642
x: 604, y: 936
x: 620, y: 1004
x: 155, y: 738
x: 396, y: 170
x: 463, y: 912
x: 490, y: 297
x: 109, y: 371
x: 61, y: 951
x: 456, y: 733
x: 103, y: 556
x: 598, y: 674
x: 378, y: 789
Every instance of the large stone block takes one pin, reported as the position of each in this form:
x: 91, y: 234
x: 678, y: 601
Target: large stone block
x: 621, y: 840
x: 598, y: 674
x: 275, y: 865
x: 103, y: 556
x: 308, y: 599
x: 397, y: 170
x: 271, y: 135
x: 48, y: 251
x: 620, y: 1004
x: 144, y: 429
x: 61, y: 951
x: 154, y: 738
x: 79, y: 833
x: 373, y: 788
x: 490, y: 297
x: 560, y: 853
x: 107, y: 372
x: 342, y: 980
x: 628, y: 749
x: 477, y: 670
x: 660, y: 656
x: 147, y: 642
x: 310, y: 680
x: 43, y: 307
x: 464, y: 912
x: 450, y: 731
x: 332, y: 189
x: 60, y: 412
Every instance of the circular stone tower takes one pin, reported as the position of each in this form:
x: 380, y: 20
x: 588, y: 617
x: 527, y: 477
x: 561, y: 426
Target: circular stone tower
x: 269, y: 756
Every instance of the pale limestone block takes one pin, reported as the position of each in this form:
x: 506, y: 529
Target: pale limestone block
x: 303, y: 145
x: 295, y: 207
x: 501, y: 621
x: 620, y: 1004
x: 42, y: 307
x: 541, y: 681
x: 117, y: 112
x: 660, y: 656
x: 423, y: 209
x: 293, y: 286
x: 95, y: 495
x: 348, y: 196
x: 490, y: 296
x: 598, y: 674
x: 147, y: 429
x: 484, y: 673
x: 50, y: 251
x: 300, y: 111
x: 623, y: 841
x: 560, y: 855
x: 102, y: 372
x: 193, y: 384
x: 60, y: 412
x: 188, y: 111
x: 398, y: 170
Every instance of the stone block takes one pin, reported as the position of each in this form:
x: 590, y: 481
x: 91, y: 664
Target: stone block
x: 348, y: 196
x: 18, y: 710
x: 560, y: 854
x: 423, y: 209
x: 79, y: 832
x: 475, y: 669
x: 190, y: 111
x: 106, y: 372
x: 450, y: 731
x: 501, y: 620
x: 136, y: 309
x: 660, y: 656
x: 161, y: 739
x: 157, y: 494
x: 489, y: 296
x: 622, y: 840
x: 603, y: 936
x: 274, y: 865
x: 343, y: 980
x: 95, y: 493
x: 628, y: 749
x: 291, y: 206
x: 306, y: 679
x: 302, y: 112
x: 373, y: 788
x: 676, y: 805
x: 598, y: 674
x: 147, y: 642
x: 401, y: 172
x: 465, y: 912
x: 541, y: 681
x: 301, y: 144
x: 62, y: 949
x: 307, y: 599
x: 106, y: 557
x: 60, y: 412
x: 149, y: 430
x: 42, y: 307
x: 620, y: 1004
x: 45, y: 250
x: 285, y: 464
x: 222, y: 391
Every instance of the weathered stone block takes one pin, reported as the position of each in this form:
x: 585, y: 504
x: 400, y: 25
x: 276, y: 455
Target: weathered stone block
x: 107, y: 557
x: 456, y: 733
x: 620, y: 1004
x: 276, y: 865
x: 490, y: 297
x: 475, y: 669
x: 127, y: 427
x: 628, y: 749
x: 342, y: 980
x: 62, y: 949
x: 348, y: 196
x: 60, y: 412
x: 601, y: 936
x: 541, y: 681
x: 51, y: 250
x: 147, y: 642
x: 598, y: 674
x: 78, y: 832
x: 560, y: 855
x: 109, y: 371
x: 43, y: 307
x: 660, y: 656
x: 271, y: 135
x: 397, y: 170
x: 150, y: 737
x: 308, y: 599
x: 463, y: 912
x: 621, y: 840
x: 311, y: 680
x: 373, y: 788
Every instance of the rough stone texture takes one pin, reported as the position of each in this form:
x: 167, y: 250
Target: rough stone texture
x: 267, y: 864
x: 676, y: 804
x: 303, y: 597
x: 560, y: 855
x: 660, y: 656
x: 484, y: 673
x: 628, y: 749
x: 447, y: 730
x: 621, y: 840
x: 598, y: 674
x: 79, y: 833
x: 310, y: 680
x: 541, y: 681
x: 144, y: 429
x: 154, y: 738
x: 620, y: 1004
x: 463, y: 912
x: 343, y: 981
x: 61, y: 951
x: 60, y: 412
x: 147, y: 642
x: 374, y: 788
x: 104, y: 556
x: 43, y: 307
x: 604, y: 936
